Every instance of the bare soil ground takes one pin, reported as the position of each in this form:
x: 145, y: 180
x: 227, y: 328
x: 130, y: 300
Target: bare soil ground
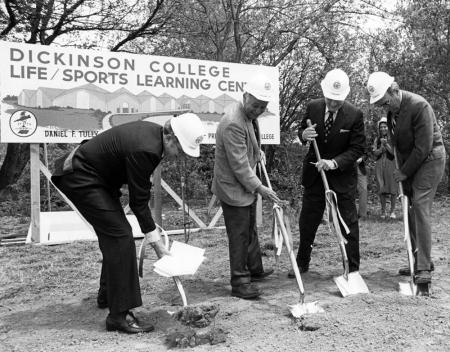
x: 48, y: 297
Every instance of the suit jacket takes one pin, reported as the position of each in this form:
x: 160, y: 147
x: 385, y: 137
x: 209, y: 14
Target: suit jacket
x: 125, y: 154
x: 416, y: 135
x: 346, y: 143
x: 237, y: 153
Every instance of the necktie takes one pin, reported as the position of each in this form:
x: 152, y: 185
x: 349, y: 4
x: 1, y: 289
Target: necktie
x: 328, y: 124
x: 255, y: 128
x: 394, y: 122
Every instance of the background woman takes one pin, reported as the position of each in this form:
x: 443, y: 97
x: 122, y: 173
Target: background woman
x: 384, y: 168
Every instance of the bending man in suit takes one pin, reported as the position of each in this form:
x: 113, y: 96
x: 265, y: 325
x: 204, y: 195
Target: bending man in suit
x: 91, y: 177
x: 236, y: 185
x: 338, y: 128
x: 421, y: 155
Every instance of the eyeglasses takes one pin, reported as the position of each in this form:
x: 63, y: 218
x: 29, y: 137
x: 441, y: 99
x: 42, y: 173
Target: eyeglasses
x: 387, y: 102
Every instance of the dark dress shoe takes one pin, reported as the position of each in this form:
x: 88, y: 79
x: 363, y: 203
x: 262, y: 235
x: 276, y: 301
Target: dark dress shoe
x: 422, y: 277
x: 261, y: 276
x: 102, y: 301
x: 129, y: 325
x: 245, y: 291
x: 406, y: 272
x: 302, y: 269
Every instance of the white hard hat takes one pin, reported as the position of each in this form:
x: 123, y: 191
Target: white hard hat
x: 335, y: 85
x: 260, y: 87
x: 377, y: 85
x: 189, y: 130
x: 382, y: 120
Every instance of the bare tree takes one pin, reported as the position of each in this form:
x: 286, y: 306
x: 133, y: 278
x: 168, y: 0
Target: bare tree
x: 45, y: 21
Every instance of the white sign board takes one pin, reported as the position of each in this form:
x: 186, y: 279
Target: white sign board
x: 52, y: 94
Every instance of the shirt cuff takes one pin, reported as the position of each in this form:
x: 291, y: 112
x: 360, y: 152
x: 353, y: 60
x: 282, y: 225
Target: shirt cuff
x: 153, y: 236
x: 335, y: 164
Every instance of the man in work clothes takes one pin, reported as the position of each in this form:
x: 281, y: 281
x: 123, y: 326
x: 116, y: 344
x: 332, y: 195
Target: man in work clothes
x: 92, y: 176
x: 421, y: 157
x: 236, y: 185
x: 338, y: 128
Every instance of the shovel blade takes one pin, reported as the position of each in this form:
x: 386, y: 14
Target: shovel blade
x: 297, y: 310
x: 407, y: 288
x: 353, y: 285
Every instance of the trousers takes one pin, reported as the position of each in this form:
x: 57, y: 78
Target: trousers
x: 313, y: 207
x: 423, y: 188
x: 243, y: 242
x: 362, y: 193
x: 119, y: 274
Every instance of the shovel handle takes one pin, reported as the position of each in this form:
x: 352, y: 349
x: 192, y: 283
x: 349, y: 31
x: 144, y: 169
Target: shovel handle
x: 176, y: 279
x: 141, y: 256
x: 287, y: 240
x: 341, y: 241
x: 334, y: 216
x: 292, y: 258
x: 316, y: 150
x: 405, y: 207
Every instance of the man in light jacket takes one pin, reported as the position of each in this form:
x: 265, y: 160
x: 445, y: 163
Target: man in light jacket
x: 236, y: 185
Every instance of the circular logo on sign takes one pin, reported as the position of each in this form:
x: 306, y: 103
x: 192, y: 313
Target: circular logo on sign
x: 23, y: 123
x: 199, y: 140
x: 371, y: 89
x: 337, y: 85
x: 267, y: 86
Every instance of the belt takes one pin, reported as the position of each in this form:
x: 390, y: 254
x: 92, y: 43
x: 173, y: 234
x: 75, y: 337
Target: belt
x: 437, y: 144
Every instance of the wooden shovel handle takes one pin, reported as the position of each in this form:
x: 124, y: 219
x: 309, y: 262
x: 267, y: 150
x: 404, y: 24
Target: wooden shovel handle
x: 316, y: 150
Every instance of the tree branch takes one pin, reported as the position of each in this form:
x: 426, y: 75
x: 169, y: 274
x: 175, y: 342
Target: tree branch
x: 12, y: 21
x: 138, y: 32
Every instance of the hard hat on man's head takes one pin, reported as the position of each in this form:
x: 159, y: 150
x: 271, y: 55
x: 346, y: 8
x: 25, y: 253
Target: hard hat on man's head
x: 335, y: 85
x: 189, y: 130
x: 377, y: 85
x: 260, y: 87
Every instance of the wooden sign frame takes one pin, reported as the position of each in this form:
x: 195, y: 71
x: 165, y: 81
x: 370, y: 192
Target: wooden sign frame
x: 38, y: 236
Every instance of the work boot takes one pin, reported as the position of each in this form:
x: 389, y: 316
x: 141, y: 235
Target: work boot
x: 245, y: 291
x: 422, y: 277
x: 127, y: 324
x: 302, y: 269
x: 261, y: 276
x: 423, y: 290
x: 406, y: 272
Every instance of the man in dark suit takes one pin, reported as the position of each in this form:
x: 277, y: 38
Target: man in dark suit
x: 236, y: 185
x: 91, y: 177
x: 421, y: 156
x: 338, y: 128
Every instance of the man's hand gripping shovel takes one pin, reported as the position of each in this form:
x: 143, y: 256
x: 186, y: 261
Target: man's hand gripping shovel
x: 348, y: 283
x: 141, y: 256
x: 406, y: 288
x: 301, y: 308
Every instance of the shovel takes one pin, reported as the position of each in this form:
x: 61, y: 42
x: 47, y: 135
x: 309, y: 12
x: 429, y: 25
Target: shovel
x: 299, y: 309
x: 176, y: 279
x: 406, y: 288
x: 348, y: 283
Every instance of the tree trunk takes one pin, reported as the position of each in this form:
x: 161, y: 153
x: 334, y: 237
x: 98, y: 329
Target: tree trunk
x: 16, y: 158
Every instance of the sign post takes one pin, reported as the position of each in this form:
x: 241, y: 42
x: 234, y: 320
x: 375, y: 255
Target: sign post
x: 35, y: 194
